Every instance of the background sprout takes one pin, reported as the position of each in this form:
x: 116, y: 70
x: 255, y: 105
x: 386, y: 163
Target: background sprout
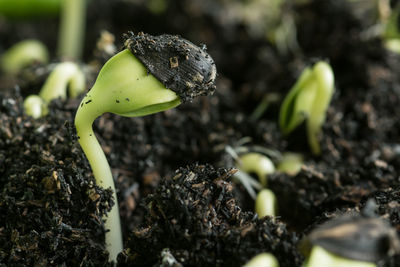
x: 124, y: 87
x: 351, y: 240
x: 263, y: 260
x: 258, y: 164
x: 35, y: 106
x: 65, y: 75
x: 266, y: 203
x: 29, y: 8
x: 321, y: 257
x: 391, y: 34
x: 290, y: 163
x: 308, y: 100
x: 22, y: 55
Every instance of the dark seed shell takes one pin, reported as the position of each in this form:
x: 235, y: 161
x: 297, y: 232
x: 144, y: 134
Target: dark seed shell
x: 356, y: 237
x: 179, y: 64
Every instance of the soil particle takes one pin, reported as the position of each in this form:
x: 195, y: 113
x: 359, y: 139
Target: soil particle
x: 195, y: 215
x: 50, y: 207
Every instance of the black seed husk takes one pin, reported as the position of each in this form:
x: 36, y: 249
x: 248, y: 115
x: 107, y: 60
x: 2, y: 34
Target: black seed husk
x: 180, y: 65
x: 356, y: 237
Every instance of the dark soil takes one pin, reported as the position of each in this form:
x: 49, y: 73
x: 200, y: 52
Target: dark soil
x: 51, y: 208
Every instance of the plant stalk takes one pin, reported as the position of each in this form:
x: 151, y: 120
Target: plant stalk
x: 102, y: 173
x: 72, y: 29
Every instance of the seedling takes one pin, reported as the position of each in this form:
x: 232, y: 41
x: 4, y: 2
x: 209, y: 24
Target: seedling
x: 351, y: 240
x: 22, y: 55
x: 308, y: 100
x: 256, y: 163
x: 290, y: 163
x: 65, y: 75
x: 391, y: 34
x: 150, y: 75
x: 321, y: 257
x: 263, y: 260
x: 266, y: 203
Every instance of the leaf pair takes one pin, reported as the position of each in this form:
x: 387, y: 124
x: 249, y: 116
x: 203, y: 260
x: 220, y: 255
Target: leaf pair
x: 308, y: 100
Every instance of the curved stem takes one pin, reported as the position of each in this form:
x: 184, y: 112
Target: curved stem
x: 102, y: 173
x: 64, y: 74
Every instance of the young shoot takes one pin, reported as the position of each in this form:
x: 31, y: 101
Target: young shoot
x: 290, y: 163
x: 266, y: 203
x: 263, y: 260
x: 391, y: 34
x: 351, y: 240
x: 308, y: 100
x: 151, y: 75
x: 256, y: 163
x: 65, y: 75
x: 322, y: 257
x: 22, y: 55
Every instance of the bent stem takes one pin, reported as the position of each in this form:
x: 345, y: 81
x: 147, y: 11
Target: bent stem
x: 123, y: 87
x: 64, y: 74
x: 102, y: 173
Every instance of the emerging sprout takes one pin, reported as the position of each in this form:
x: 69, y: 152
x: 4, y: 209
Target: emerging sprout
x: 257, y: 163
x: 266, y: 203
x: 22, y: 55
x: 352, y: 240
x: 321, y: 257
x: 290, y: 163
x: 263, y: 260
x: 308, y: 100
x: 64, y: 75
x: 391, y: 34
x: 35, y: 106
x: 180, y: 71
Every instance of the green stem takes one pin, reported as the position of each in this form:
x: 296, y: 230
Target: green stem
x: 102, y: 173
x: 72, y: 29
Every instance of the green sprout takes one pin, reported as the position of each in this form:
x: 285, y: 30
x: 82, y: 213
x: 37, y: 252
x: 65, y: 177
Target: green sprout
x: 321, y: 257
x: 351, y: 240
x: 65, y: 75
x: 125, y: 87
x: 72, y: 29
x: 29, y: 8
x: 391, y: 33
x: 22, y: 55
x: 263, y: 260
x: 290, y: 163
x: 308, y: 100
x: 256, y: 163
x: 266, y: 203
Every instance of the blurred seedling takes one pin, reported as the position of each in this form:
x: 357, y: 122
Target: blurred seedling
x: 65, y: 76
x: 22, y: 55
x: 308, y: 101
x: 263, y: 260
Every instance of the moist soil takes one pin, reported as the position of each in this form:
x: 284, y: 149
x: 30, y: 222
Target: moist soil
x: 179, y: 203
